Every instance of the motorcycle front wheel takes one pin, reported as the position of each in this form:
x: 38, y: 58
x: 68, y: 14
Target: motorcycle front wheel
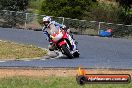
x: 66, y: 51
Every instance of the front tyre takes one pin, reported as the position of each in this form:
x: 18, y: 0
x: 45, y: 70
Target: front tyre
x: 66, y: 51
x: 76, y: 54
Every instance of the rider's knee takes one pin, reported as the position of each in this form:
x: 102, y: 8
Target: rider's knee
x: 50, y: 47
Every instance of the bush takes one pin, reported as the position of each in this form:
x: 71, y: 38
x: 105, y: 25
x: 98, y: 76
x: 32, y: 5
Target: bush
x: 105, y: 12
x: 65, y: 8
x: 13, y: 5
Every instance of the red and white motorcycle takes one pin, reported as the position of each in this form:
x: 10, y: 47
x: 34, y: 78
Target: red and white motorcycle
x: 63, y: 42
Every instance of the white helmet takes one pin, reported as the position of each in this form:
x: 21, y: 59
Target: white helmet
x: 46, y: 20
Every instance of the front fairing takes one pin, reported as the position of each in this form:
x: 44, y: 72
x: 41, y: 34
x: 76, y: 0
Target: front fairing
x: 57, y: 36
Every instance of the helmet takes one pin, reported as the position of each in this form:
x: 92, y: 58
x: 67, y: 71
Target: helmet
x: 46, y: 20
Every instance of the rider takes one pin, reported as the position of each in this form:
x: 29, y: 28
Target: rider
x: 48, y: 24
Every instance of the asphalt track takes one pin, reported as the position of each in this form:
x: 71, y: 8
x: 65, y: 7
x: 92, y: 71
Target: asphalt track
x: 95, y: 52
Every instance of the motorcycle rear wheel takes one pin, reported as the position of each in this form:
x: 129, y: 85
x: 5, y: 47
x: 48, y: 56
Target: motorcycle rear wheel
x: 67, y: 51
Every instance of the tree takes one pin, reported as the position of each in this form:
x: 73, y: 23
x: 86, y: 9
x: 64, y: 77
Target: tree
x: 15, y: 5
x: 125, y: 3
x: 12, y: 19
x: 66, y: 8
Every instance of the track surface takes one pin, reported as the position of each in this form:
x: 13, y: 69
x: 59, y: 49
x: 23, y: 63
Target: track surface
x: 95, y: 52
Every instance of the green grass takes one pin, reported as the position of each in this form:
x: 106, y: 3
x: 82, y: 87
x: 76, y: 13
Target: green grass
x: 52, y: 82
x: 10, y: 50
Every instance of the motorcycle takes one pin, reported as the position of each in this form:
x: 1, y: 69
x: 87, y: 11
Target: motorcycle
x: 62, y: 41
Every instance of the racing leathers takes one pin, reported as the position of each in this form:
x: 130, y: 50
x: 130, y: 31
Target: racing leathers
x: 47, y: 31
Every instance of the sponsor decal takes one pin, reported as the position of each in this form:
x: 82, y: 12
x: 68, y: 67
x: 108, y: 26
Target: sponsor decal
x: 83, y: 78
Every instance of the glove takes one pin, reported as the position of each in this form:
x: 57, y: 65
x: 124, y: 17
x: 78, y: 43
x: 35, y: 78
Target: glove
x: 63, y: 26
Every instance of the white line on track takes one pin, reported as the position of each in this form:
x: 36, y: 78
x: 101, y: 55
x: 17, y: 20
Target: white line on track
x: 59, y: 55
x: 26, y: 60
x: 43, y: 59
x: 2, y: 61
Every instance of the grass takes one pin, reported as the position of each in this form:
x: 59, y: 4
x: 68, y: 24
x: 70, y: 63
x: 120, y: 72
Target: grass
x: 10, y: 50
x: 51, y: 82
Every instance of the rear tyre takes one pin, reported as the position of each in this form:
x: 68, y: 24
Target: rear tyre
x: 67, y: 51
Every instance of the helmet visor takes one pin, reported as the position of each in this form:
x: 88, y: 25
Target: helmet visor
x: 46, y: 23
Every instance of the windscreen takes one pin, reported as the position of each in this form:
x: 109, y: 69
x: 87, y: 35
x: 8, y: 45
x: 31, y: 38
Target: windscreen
x: 53, y: 29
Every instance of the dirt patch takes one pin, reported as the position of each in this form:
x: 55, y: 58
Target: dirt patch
x: 56, y: 72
